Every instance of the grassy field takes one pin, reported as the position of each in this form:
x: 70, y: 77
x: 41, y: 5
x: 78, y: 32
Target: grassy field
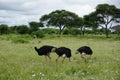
x: 19, y: 61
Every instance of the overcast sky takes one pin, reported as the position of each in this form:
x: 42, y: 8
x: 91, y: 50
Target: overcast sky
x: 19, y: 12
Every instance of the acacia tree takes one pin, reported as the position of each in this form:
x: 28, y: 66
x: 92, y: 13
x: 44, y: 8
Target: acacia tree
x: 78, y: 23
x: 91, y: 21
x: 104, y: 16
x: 107, y: 15
x: 34, y: 26
x: 59, y: 18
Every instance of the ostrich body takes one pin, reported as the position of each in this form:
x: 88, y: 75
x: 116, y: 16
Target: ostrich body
x: 44, y: 50
x: 84, y: 50
x: 64, y: 52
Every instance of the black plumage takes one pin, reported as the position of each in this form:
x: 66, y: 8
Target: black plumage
x: 63, y: 51
x: 45, y: 50
x: 85, y: 49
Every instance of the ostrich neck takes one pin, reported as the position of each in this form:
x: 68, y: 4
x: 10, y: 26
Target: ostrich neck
x: 36, y: 48
x: 36, y: 42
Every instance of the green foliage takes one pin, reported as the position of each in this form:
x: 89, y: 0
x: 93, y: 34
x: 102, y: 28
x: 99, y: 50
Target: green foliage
x: 107, y: 15
x: 77, y: 23
x: 19, y: 40
x: 50, y: 31
x: 72, y: 31
x: 38, y: 33
x: 13, y: 29
x: 59, y: 18
x: 75, y: 31
x: 4, y: 29
x: 22, y: 29
x: 67, y: 31
x: 34, y: 26
x: 104, y: 16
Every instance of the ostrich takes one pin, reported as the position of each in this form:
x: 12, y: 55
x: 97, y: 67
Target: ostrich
x: 84, y: 50
x: 64, y: 52
x: 44, y: 50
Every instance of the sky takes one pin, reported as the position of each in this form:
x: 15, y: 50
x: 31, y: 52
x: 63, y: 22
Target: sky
x: 21, y: 12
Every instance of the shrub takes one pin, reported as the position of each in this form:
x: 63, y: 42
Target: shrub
x: 75, y: 32
x: 19, y: 40
x: 38, y: 33
x: 50, y: 31
x: 22, y: 29
x: 67, y: 31
x: 4, y: 29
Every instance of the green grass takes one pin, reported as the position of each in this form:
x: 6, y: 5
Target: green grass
x: 19, y: 61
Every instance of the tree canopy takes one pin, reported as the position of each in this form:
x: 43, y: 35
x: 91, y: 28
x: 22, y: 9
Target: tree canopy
x: 104, y: 16
x: 107, y: 15
x: 34, y: 26
x: 59, y: 18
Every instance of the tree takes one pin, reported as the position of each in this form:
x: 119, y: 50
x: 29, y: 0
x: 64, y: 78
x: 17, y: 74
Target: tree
x: 107, y: 15
x: 4, y: 29
x: 34, y: 26
x: 13, y: 29
x: 59, y: 18
x: 91, y: 21
x: 22, y: 29
x: 78, y: 23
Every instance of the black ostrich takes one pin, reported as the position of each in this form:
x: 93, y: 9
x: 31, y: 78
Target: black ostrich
x: 64, y: 52
x: 84, y: 50
x: 44, y: 50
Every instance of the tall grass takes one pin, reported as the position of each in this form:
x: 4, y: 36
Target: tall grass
x: 21, y: 62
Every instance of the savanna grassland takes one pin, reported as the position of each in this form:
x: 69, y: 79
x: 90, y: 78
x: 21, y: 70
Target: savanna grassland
x: 19, y: 61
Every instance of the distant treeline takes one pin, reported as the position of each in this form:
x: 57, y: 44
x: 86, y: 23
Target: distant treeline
x: 65, y: 22
x: 23, y: 29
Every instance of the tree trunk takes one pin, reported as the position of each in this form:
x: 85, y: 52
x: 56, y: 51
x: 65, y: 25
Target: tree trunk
x: 60, y: 32
x: 82, y: 31
x: 61, y: 28
x: 106, y: 32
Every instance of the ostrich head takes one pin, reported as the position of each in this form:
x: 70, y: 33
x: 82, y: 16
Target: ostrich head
x: 36, y: 49
x: 53, y: 49
x: 76, y: 52
x: 34, y: 36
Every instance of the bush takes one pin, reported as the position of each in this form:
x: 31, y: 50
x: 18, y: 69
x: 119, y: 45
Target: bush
x: 19, y: 40
x: 38, y: 33
x: 75, y: 32
x: 67, y: 31
x: 22, y: 29
x: 50, y: 31
x: 4, y: 29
